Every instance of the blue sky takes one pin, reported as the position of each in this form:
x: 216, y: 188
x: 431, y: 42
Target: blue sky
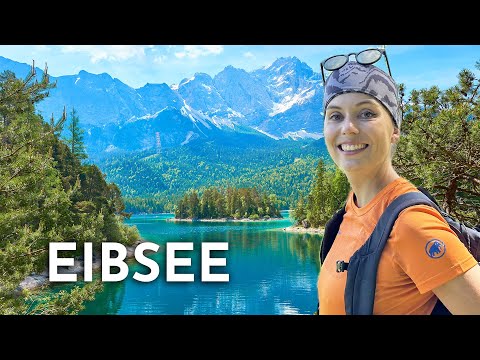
x: 417, y: 66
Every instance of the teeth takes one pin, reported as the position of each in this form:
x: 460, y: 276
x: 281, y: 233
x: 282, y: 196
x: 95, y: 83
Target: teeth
x: 348, y: 147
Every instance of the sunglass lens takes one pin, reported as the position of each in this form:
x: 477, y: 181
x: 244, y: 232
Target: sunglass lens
x: 367, y: 57
x: 335, y: 62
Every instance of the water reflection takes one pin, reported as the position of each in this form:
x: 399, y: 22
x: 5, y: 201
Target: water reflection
x: 110, y: 299
x: 271, y: 271
x: 307, y: 247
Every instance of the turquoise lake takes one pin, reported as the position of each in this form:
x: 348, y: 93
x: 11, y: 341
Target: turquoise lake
x: 271, y: 272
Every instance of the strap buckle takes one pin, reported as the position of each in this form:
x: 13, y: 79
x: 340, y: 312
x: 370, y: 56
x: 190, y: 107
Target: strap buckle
x: 341, y: 266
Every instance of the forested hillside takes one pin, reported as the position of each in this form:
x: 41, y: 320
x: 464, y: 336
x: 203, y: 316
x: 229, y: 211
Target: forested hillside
x: 154, y: 182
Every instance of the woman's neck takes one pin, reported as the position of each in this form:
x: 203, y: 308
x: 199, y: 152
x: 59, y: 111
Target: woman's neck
x: 365, y: 187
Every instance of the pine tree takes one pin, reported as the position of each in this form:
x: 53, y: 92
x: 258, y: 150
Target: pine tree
x: 75, y: 137
x: 317, y: 198
x: 440, y: 145
x: 42, y: 201
x: 340, y: 189
x: 193, y: 205
x: 329, y: 191
x: 34, y: 208
x: 300, y: 211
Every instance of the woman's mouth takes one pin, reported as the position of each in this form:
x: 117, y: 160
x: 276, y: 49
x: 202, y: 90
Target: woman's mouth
x: 352, y: 148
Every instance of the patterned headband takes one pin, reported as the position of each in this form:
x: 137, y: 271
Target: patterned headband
x: 367, y: 79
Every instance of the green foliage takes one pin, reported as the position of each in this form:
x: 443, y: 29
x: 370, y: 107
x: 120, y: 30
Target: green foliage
x: 65, y: 163
x: 156, y: 204
x: 75, y: 137
x: 64, y: 302
x: 328, y: 193
x: 231, y: 202
x: 32, y: 200
x: 440, y: 145
x: 300, y: 211
x: 152, y: 182
x: 46, y: 196
x: 115, y: 230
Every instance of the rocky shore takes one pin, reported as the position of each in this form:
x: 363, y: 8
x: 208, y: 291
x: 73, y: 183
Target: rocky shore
x: 35, y: 281
x: 304, y: 230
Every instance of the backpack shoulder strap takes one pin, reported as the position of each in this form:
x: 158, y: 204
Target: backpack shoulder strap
x: 331, y: 230
x: 362, y: 267
x: 329, y: 235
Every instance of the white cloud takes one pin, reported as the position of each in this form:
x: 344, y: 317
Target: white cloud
x: 111, y: 53
x: 160, y: 59
x: 249, y: 55
x: 194, y: 51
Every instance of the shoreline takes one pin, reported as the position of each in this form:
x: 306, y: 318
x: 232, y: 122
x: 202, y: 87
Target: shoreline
x: 223, y: 220
x: 173, y: 213
x: 302, y: 230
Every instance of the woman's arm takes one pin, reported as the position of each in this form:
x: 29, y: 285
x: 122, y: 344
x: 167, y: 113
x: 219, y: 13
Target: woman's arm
x: 461, y: 295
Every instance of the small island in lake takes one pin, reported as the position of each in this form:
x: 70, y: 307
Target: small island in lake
x: 230, y: 204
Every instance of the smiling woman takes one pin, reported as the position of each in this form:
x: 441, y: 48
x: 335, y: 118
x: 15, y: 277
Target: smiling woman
x: 361, y: 129
x: 356, y: 138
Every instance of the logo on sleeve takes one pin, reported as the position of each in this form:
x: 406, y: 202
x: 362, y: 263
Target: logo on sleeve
x: 435, y: 248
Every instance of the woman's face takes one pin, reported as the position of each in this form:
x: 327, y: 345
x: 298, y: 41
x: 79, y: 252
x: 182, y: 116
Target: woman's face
x: 359, y: 133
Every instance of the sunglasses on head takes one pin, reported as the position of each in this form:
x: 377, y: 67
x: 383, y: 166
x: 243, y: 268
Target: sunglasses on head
x: 364, y: 57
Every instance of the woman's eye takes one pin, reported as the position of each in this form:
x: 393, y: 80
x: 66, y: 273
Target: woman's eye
x: 367, y: 114
x: 334, y: 117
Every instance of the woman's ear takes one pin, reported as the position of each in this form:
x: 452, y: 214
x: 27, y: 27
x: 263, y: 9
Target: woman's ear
x: 396, y: 135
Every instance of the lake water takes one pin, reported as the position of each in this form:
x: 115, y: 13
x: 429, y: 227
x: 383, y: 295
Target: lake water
x: 271, y: 271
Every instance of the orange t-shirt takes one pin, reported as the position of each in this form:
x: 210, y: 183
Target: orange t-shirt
x: 408, y: 269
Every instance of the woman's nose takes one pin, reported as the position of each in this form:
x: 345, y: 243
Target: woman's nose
x: 349, y: 126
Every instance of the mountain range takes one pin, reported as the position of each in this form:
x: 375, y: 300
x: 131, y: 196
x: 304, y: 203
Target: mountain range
x: 276, y: 102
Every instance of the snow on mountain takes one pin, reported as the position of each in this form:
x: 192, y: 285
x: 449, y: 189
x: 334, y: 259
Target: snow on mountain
x: 204, y: 101
x: 189, y: 137
x: 302, y: 134
x: 243, y: 93
x: 265, y: 133
x: 195, y: 115
x: 289, y: 101
x: 281, y: 100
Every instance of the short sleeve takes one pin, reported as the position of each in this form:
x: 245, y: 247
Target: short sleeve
x: 427, y: 249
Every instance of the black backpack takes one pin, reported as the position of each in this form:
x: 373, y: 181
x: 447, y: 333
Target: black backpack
x: 362, y: 266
